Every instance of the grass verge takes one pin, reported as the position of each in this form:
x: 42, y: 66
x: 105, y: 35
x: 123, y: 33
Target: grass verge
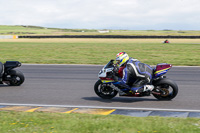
x: 39, y: 122
x: 38, y: 30
x: 184, y: 52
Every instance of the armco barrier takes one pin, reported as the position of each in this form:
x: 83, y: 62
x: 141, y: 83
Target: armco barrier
x: 110, y: 36
x: 8, y: 36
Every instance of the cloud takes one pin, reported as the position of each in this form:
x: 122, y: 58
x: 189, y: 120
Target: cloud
x: 101, y: 14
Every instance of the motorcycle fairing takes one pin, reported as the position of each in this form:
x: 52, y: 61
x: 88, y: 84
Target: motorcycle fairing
x: 103, y: 74
x: 107, y: 81
x: 161, y: 69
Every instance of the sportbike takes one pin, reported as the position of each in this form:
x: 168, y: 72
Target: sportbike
x: 107, y: 85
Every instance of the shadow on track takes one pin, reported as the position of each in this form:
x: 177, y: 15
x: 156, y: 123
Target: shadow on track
x: 119, y: 99
x: 8, y: 86
x: 2, y: 85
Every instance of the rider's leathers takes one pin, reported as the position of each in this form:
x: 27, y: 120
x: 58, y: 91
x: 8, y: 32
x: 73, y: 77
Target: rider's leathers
x: 135, y: 76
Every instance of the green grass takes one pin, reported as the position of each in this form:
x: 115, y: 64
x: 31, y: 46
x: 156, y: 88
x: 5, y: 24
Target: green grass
x: 100, y: 51
x: 37, y: 30
x: 39, y: 122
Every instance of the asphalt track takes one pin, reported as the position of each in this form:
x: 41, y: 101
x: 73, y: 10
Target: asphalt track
x: 72, y: 86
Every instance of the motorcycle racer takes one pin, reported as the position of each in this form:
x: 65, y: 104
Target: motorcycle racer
x: 136, y: 75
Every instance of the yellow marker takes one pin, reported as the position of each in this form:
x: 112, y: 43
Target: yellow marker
x: 15, y: 108
x: 15, y: 36
x: 107, y: 112
x: 95, y: 111
x: 71, y: 111
x: 34, y: 109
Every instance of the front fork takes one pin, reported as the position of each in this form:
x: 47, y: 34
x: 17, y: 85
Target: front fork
x: 116, y: 88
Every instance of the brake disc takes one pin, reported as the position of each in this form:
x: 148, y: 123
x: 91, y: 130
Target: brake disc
x: 165, y: 92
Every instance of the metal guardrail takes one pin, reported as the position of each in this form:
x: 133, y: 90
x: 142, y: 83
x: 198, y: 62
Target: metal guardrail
x: 100, y: 36
x: 8, y: 36
x: 111, y: 36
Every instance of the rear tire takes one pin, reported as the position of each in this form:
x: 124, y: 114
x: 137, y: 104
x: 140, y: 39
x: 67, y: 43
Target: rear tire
x: 104, y: 91
x: 169, y: 89
x: 16, y: 78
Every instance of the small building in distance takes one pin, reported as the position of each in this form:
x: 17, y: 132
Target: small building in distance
x: 103, y: 31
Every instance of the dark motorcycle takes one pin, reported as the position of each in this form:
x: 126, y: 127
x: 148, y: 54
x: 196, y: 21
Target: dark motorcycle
x: 9, y: 75
x: 107, y: 86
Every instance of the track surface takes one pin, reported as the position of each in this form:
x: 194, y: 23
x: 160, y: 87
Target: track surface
x: 73, y: 85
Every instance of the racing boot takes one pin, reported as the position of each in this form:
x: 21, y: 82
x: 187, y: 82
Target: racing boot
x: 143, y: 88
x: 138, y: 89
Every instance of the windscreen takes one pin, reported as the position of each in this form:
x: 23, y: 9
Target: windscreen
x: 110, y: 64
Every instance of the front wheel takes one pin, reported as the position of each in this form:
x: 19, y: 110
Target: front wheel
x: 104, y: 91
x: 167, y: 88
x: 14, y: 78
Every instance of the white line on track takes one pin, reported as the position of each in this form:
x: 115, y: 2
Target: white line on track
x: 99, y: 107
x: 86, y: 65
x: 60, y: 65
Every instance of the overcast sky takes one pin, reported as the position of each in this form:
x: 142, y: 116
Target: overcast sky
x: 103, y: 14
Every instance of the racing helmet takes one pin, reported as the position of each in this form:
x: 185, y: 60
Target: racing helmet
x: 122, y: 58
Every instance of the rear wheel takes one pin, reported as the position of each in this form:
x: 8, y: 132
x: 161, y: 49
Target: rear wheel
x: 14, y: 78
x: 104, y: 91
x: 166, y: 89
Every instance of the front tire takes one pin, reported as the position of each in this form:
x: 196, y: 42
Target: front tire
x: 15, y: 78
x: 104, y: 91
x: 167, y: 88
